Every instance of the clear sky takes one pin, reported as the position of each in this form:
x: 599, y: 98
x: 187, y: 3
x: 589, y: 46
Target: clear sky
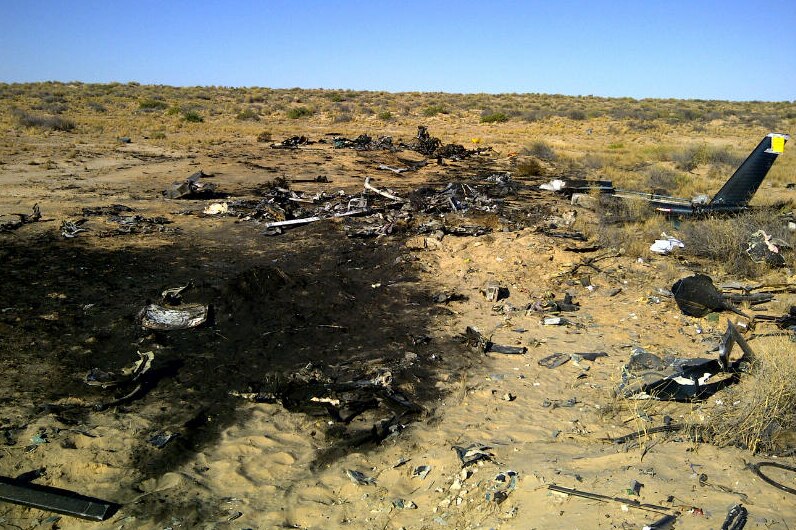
x: 707, y: 49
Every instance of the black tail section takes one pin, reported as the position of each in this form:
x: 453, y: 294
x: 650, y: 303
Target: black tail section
x: 739, y: 189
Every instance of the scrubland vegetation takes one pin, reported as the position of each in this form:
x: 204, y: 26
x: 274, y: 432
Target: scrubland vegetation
x: 668, y: 146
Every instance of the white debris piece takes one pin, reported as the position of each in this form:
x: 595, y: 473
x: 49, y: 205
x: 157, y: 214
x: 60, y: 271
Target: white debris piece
x: 216, y: 208
x: 666, y: 244
x: 553, y: 185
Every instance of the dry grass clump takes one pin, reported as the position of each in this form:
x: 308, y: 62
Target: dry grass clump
x: 629, y: 225
x: 725, y: 240
x: 528, y: 167
x: 541, y: 150
x: 758, y: 412
x: 54, y: 123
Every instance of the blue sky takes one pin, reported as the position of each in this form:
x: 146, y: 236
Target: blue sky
x: 729, y: 49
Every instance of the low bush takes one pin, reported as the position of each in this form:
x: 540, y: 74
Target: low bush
x: 248, y: 115
x: 725, y: 240
x: 152, y: 104
x: 299, y: 112
x: 97, y: 107
x: 662, y: 180
x: 757, y: 413
x: 192, y: 116
x: 433, y: 110
x: 53, y: 123
x: 529, y: 167
x: 540, y: 149
x: 494, y: 117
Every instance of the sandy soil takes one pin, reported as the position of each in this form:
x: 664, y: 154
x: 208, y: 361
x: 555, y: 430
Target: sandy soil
x: 355, y: 308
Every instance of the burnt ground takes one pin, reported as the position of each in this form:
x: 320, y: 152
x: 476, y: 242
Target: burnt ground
x: 68, y: 308
x: 309, y: 301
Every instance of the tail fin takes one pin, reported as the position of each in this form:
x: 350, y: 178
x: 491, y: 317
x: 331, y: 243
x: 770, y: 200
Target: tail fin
x: 743, y: 184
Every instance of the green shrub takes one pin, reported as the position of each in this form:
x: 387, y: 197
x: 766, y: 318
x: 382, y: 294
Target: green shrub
x: 661, y: 178
x: 248, y: 115
x: 494, y: 117
x: 433, y: 110
x: 192, y: 116
x: 690, y: 158
x: 385, y: 115
x: 152, y: 104
x: 576, y: 114
x: 96, y: 107
x: 299, y: 112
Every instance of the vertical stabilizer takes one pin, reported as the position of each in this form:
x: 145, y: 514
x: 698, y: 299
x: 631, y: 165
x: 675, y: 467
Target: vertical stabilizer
x: 743, y: 184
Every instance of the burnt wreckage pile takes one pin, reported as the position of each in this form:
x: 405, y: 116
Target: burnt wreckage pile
x: 376, y: 212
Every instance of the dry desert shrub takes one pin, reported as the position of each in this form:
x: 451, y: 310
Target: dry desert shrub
x: 758, y: 412
x: 725, y: 240
x: 54, y: 123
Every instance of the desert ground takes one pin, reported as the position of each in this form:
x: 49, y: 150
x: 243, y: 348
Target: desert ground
x: 332, y: 380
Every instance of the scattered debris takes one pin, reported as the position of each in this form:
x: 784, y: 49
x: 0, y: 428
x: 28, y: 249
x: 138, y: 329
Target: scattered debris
x: 504, y: 483
x: 55, y: 500
x: 192, y: 188
x: 22, y: 219
x: 312, y: 391
x: 550, y: 305
x: 666, y: 245
x: 755, y: 468
x: 676, y: 379
x: 137, y: 224
x: 357, y: 477
x: 555, y: 360
x: 696, y: 296
x: 556, y: 321
x: 473, y: 453
x: 396, y: 170
x: 736, y: 518
x: 113, y: 209
x: 385, y: 194
x: 292, y: 143
x: 765, y: 249
x: 494, y: 292
x: 173, y: 295
x: 432, y: 147
x: 476, y: 340
x: 632, y: 503
x: 421, y: 472
x: 403, y: 504
x: 664, y: 523
x: 363, y: 142
x: 672, y: 427
x: 184, y: 316
x: 70, y: 229
x: 161, y: 439
x: 217, y: 208
x: 127, y: 375
x: 569, y: 187
x: 320, y: 179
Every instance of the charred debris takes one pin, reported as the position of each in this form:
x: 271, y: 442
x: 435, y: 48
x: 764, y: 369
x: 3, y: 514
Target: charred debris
x: 479, y: 199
